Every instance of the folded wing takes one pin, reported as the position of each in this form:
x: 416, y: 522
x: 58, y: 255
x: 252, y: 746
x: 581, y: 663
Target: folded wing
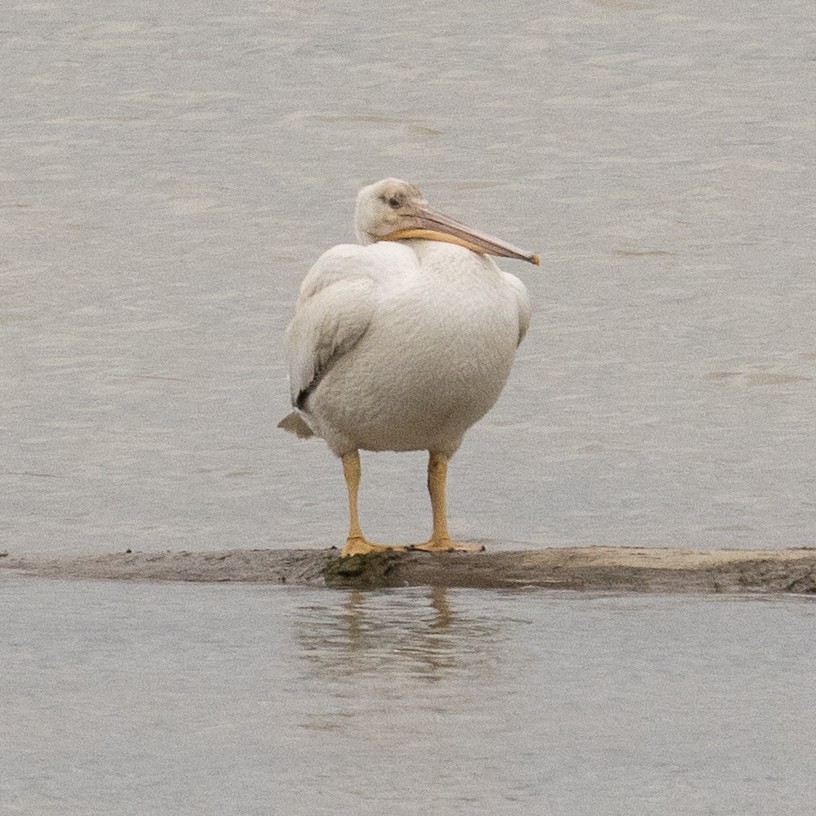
x: 337, y: 301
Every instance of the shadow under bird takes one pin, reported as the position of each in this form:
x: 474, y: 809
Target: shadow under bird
x: 402, y: 342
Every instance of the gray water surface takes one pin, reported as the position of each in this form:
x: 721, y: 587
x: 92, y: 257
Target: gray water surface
x: 168, y: 173
x: 179, y: 699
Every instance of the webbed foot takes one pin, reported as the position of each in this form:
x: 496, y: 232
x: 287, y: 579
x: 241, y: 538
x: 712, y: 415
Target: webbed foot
x: 446, y: 545
x: 357, y: 545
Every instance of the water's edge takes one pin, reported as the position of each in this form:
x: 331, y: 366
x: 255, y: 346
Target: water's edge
x: 626, y: 569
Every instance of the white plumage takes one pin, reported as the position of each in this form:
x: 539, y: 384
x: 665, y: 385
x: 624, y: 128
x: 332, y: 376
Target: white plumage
x: 404, y: 342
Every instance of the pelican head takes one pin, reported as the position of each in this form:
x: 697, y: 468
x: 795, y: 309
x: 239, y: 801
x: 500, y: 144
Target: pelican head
x: 393, y: 210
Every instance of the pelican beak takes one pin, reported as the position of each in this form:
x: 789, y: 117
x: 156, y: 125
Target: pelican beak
x: 435, y: 226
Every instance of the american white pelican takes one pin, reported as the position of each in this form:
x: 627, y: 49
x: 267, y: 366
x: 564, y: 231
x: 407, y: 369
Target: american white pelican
x: 403, y: 342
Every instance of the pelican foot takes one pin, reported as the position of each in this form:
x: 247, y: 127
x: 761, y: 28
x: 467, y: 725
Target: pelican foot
x: 446, y: 545
x: 361, y: 546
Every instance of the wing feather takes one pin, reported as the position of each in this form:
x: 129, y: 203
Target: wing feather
x: 335, y: 306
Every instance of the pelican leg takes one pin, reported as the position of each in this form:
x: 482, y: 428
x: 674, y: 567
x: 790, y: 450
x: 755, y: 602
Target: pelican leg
x: 356, y: 543
x: 440, y: 540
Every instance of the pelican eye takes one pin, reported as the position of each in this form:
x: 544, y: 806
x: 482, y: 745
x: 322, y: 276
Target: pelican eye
x: 394, y: 202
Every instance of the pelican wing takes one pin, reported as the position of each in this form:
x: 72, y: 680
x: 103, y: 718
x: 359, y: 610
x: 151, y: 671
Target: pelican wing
x: 335, y: 306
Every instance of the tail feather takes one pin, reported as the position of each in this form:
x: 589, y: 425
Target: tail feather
x: 294, y: 423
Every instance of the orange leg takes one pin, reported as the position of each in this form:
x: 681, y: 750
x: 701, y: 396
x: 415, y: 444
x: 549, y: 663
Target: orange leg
x: 357, y: 543
x: 440, y: 540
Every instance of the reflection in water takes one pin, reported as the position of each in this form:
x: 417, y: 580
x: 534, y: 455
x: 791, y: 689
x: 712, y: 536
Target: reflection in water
x: 163, y: 698
x: 407, y: 633
x: 394, y: 662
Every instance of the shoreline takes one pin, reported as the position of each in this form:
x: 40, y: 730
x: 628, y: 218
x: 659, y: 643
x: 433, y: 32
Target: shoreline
x: 623, y: 569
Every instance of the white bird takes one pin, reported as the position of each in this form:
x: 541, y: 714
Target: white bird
x: 401, y: 343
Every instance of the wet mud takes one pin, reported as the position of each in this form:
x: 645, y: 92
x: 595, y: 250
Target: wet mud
x: 623, y: 569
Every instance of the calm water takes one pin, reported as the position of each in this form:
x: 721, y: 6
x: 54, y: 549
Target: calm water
x: 169, y: 172
x: 167, y: 175
x: 125, y: 698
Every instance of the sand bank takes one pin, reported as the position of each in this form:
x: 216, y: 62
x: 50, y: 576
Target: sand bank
x: 626, y: 569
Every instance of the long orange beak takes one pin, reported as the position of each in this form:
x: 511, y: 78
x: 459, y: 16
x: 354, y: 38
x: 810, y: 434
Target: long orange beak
x: 435, y: 226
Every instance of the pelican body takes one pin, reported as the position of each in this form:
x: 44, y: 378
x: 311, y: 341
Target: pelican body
x: 403, y: 341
